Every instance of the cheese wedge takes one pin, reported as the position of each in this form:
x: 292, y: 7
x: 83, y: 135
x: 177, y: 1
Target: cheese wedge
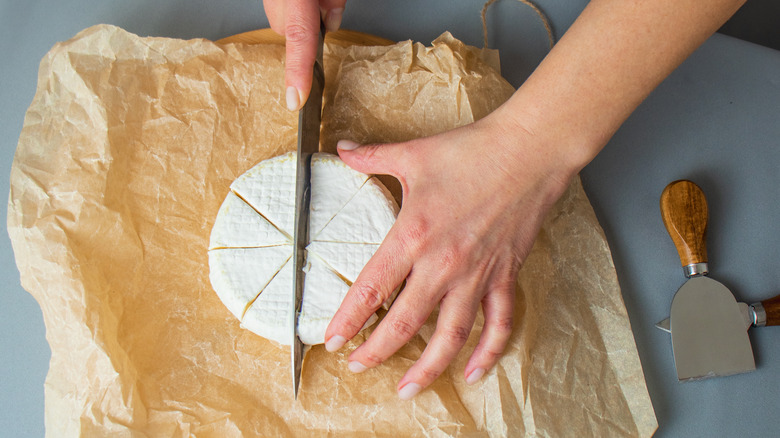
x: 250, y: 250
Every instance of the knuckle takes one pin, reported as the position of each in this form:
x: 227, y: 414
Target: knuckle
x: 492, y: 354
x: 428, y: 373
x: 456, y: 335
x: 415, y: 234
x: 450, y: 258
x: 400, y: 328
x: 296, y: 33
x: 371, y: 360
x: 368, y: 296
x: 351, y: 326
x: 504, y: 325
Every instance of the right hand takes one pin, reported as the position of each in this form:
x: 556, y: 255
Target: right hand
x: 299, y: 22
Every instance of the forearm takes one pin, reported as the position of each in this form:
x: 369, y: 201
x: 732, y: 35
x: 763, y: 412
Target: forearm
x: 610, y: 59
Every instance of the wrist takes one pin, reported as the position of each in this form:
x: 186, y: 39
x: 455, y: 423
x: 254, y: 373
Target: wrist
x: 545, y: 145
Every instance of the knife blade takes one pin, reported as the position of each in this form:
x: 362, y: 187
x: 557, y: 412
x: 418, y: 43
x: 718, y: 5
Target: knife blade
x: 309, y: 121
x: 761, y: 314
x: 709, y: 336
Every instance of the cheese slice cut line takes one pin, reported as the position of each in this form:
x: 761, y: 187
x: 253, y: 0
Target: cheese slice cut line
x: 340, y: 208
x: 327, y: 265
x: 217, y: 248
x: 318, y: 232
x: 235, y: 215
x: 287, y: 235
x: 349, y: 224
x: 247, y: 287
x: 252, y: 301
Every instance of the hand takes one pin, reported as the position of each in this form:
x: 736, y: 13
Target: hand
x: 299, y: 22
x: 474, y: 200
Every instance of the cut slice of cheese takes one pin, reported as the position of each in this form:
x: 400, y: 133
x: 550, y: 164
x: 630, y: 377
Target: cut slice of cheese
x: 240, y: 274
x: 269, y: 316
x: 333, y: 184
x: 347, y: 259
x: 269, y: 187
x: 252, y: 272
x: 238, y: 225
x: 323, y: 291
x: 366, y: 218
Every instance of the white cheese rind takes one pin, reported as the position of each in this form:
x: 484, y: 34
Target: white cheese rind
x: 269, y: 187
x: 348, y: 259
x: 333, y: 184
x: 323, y: 291
x: 252, y: 274
x: 240, y: 274
x: 269, y: 316
x: 366, y: 218
x: 238, y: 225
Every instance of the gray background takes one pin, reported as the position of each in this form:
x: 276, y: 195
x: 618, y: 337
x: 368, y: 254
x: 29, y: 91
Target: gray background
x: 715, y: 120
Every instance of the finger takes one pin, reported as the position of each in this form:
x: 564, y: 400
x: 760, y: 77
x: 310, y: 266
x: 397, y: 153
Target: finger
x: 301, y: 30
x: 275, y: 11
x: 383, y: 273
x: 498, y: 308
x: 332, y: 12
x: 456, y: 318
x: 404, y: 319
x: 381, y: 159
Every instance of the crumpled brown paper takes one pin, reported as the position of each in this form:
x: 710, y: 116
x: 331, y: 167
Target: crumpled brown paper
x: 125, y: 156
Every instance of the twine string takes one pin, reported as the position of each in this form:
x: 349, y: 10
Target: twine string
x: 528, y: 3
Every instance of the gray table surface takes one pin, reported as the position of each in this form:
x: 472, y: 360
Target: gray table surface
x: 716, y: 120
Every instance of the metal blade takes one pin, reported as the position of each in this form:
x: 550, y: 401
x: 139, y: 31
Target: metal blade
x: 747, y: 314
x: 664, y: 325
x: 709, y: 336
x: 309, y: 120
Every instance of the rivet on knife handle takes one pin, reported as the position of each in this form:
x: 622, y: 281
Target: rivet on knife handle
x: 684, y: 212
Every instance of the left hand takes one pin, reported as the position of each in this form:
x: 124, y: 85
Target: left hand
x: 299, y: 22
x: 473, y: 201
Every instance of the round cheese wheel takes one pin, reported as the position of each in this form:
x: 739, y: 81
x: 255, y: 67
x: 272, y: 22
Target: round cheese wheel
x: 250, y: 251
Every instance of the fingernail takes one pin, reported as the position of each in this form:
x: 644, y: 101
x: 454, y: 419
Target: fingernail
x: 475, y: 376
x: 408, y: 391
x: 334, y: 343
x: 347, y: 145
x: 333, y: 19
x: 293, y: 98
x: 356, y: 367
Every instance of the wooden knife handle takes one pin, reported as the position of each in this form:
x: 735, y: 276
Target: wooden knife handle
x: 684, y: 212
x: 772, y: 309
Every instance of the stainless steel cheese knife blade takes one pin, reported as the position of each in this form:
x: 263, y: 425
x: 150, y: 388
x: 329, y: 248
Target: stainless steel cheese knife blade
x: 764, y: 313
x: 709, y: 334
x: 309, y: 120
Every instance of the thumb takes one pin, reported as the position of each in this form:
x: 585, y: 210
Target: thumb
x: 378, y: 159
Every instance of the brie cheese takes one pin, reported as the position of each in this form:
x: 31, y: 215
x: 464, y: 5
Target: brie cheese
x: 250, y: 251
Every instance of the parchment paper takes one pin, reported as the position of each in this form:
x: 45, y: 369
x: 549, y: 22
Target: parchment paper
x: 126, y: 153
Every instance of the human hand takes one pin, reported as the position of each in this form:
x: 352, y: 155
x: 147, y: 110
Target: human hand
x: 473, y: 202
x: 299, y: 22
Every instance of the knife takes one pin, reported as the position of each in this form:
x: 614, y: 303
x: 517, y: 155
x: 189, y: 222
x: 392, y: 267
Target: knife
x: 761, y: 314
x: 309, y: 120
x: 709, y: 333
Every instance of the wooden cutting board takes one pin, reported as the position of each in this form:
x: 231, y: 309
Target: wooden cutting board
x: 342, y: 37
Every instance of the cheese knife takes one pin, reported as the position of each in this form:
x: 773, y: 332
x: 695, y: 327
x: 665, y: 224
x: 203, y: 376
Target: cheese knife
x: 309, y: 120
x: 709, y: 332
x: 761, y: 314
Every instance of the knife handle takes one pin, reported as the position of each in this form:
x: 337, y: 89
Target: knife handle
x: 772, y: 309
x: 684, y: 212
